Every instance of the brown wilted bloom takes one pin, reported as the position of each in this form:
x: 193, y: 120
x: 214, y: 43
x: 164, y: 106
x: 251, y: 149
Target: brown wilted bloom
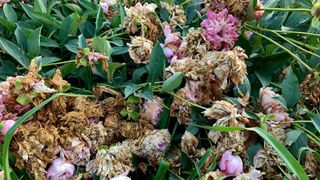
x: 35, y: 146
x: 228, y: 65
x: 86, y: 57
x: 141, y: 20
x: 236, y: 7
x: 58, y: 82
x: 310, y: 89
x: 253, y: 174
x: 90, y: 108
x: 176, y: 13
x: 222, y: 110
x: 133, y: 130
x: 113, y: 161
x: 77, y: 152
x: 181, y: 109
x: 154, y: 145
x: 270, y: 105
x: 152, y: 110
x: 114, y: 101
x: 96, y: 135
x: 194, y: 45
x: 311, y: 165
x: 189, y: 143
x: 213, y: 175
x: 140, y: 49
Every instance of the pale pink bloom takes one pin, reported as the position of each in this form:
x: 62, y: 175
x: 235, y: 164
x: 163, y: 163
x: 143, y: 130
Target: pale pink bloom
x: 171, y: 43
x: 7, y: 125
x: 152, y: 109
x: 220, y: 29
x: 230, y: 164
x: 104, y: 7
x: 60, y: 170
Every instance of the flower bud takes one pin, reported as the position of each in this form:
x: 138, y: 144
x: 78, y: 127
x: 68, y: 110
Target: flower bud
x: 6, y: 126
x: 60, y: 169
x: 230, y: 164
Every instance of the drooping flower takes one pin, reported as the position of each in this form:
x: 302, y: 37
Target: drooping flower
x: 140, y: 49
x: 6, y: 126
x: 77, y: 153
x: 189, y: 143
x: 171, y: 43
x: 230, y: 164
x: 105, y: 7
x: 60, y: 169
x: 151, y: 110
x: 220, y: 29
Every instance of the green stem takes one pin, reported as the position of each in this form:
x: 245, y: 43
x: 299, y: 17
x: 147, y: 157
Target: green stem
x: 52, y: 64
x: 287, y: 9
x: 189, y: 102
x: 282, y: 47
x: 293, y: 44
x: 284, y: 31
x: 313, y: 137
x: 185, y: 2
x: 116, y: 35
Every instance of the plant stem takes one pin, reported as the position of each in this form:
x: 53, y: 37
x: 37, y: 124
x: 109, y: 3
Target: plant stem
x: 282, y: 47
x: 185, y: 2
x: 189, y: 102
x: 287, y: 9
x: 52, y: 64
x: 116, y: 35
x: 313, y: 137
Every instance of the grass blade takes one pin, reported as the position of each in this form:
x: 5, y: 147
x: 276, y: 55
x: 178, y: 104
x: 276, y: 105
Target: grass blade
x: 162, y: 170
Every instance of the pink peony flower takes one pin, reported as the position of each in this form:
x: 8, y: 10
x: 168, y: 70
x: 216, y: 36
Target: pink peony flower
x: 171, y: 43
x: 104, y: 7
x: 220, y: 29
x: 60, y: 169
x: 230, y: 164
x: 7, y: 125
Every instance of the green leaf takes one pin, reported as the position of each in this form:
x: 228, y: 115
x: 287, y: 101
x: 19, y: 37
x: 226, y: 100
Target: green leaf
x: 99, y: 20
x: 13, y: 50
x: 101, y: 45
x: 39, y: 6
x: 34, y: 43
x: 315, y: 118
x: 157, y: 62
x: 9, y: 13
x: 7, y: 24
x: 162, y: 170
x: 73, y: 7
x: 292, y: 137
x: 291, y: 89
x: 130, y: 89
x: 172, y: 82
x: 145, y: 93
x: 69, y: 26
x: 21, y: 120
x: 112, y: 67
x: 292, y: 164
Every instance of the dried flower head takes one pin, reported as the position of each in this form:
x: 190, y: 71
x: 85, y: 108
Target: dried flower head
x: 228, y: 65
x: 222, y: 110
x: 189, y: 143
x: 154, y: 144
x: 230, y: 164
x: 253, y: 174
x: 310, y: 89
x: 96, y: 135
x: 220, y: 29
x: 269, y: 104
x: 113, y: 161
x: 77, y: 152
x: 151, y: 110
x: 311, y: 165
x: 176, y: 13
x: 60, y: 169
x: 140, y: 49
x: 236, y: 7
x: 142, y: 21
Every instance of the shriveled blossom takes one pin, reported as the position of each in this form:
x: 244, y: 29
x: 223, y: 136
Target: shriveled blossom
x: 228, y: 65
x: 253, y: 174
x: 230, y: 164
x: 220, y: 29
x: 189, y: 143
x: 140, y: 49
x: 60, y: 169
x: 77, y: 153
x: 6, y: 126
x: 176, y: 12
x: 237, y: 8
x: 40, y: 87
x: 221, y: 110
x: 105, y: 7
x: 171, y: 44
x: 310, y: 89
x: 121, y: 177
x: 155, y: 144
x: 271, y: 106
x: 151, y: 110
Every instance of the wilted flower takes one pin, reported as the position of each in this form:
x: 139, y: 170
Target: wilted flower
x: 6, y: 126
x: 177, y: 15
x: 259, y: 13
x: 151, y: 110
x: 171, y: 43
x: 105, y: 7
x: 269, y: 104
x: 311, y: 165
x: 140, y: 49
x: 189, y: 143
x: 237, y: 8
x: 154, y: 144
x: 253, y: 174
x: 221, y: 110
x: 40, y: 87
x: 230, y: 164
x: 60, y: 169
x: 77, y: 153
x: 228, y: 65
x: 220, y: 29
x: 310, y: 89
